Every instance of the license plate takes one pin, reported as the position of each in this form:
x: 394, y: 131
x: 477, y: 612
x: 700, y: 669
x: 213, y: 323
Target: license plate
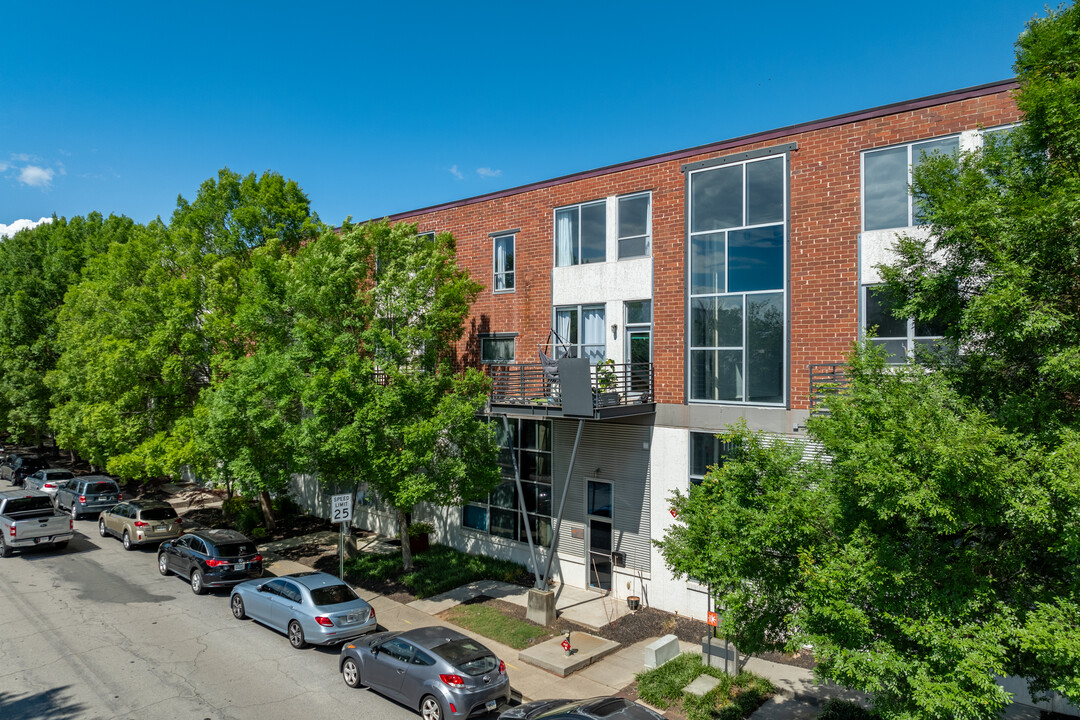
x: 491, y: 705
x: 159, y: 528
x: 240, y: 566
x: 352, y: 617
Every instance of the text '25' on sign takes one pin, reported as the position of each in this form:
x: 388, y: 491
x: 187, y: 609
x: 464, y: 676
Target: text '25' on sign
x: 341, y: 508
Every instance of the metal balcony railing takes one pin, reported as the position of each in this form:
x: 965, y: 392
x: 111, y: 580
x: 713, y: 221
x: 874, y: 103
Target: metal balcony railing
x: 610, y: 384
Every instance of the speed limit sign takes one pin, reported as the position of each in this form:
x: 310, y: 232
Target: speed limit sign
x: 341, y: 508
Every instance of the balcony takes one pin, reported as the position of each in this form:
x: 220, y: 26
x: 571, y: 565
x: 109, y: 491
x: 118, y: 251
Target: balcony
x: 573, y: 389
x: 826, y: 379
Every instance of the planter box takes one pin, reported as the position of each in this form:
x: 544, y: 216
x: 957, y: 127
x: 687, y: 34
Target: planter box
x: 418, y: 543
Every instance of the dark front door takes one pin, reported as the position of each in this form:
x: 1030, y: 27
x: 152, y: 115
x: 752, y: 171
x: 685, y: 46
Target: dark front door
x: 599, y: 512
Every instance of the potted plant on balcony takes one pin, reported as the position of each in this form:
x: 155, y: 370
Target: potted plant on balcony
x: 418, y: 536
x: 607, y: 383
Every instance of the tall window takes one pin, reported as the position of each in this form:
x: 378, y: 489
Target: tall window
x: 504, y: 263
x: 581, y: 234
x: 738, y: 308
x: 634, y: 226
x: 887, y: 201
x: 639, y: 343
x: 902, y: 338
x: 581, y: 332
x: 706, y: 450
x: 500, y: 514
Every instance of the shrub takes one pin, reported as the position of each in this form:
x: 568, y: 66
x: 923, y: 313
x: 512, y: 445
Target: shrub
x: 421, y: 528
x: 258, y: 533
x: 234, y: 506
x: 285, y: 506
x: 837, y: 709
x: 248, y: 519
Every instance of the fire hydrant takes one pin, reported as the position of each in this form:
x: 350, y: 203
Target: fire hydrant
x: 566, y: 643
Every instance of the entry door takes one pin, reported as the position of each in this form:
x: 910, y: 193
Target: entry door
x: 599, y: 514
x: 639, y: 351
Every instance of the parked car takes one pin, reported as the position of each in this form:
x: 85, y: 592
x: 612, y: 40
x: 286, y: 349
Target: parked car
x: 140, y: 521
x: 440, y: 672
x: 88, y: 494
x: 310, y: 607
x: 16, y: 469
x: 211, y: 558
x: 7, y: 465
x: 48, y: 481
x: 27, y: 518
x: 598, y: 708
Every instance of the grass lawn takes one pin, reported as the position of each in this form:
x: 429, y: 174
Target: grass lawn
x: 490, y: 623
x: 734, y: 698
x: 436, y: 570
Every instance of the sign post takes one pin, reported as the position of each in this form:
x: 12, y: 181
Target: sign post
x: 341, y: 513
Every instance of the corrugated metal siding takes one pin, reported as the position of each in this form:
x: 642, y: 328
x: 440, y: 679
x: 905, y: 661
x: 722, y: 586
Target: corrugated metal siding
x: 618, y: 454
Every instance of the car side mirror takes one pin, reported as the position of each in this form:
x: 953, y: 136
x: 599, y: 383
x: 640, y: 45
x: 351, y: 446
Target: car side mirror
x: 375, y: 650
x: 261, y: 588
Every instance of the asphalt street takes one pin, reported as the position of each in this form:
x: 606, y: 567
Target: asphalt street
x: 93, y: 631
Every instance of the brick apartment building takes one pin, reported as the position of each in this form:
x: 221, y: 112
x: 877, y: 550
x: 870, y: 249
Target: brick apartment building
x: 686, y: 291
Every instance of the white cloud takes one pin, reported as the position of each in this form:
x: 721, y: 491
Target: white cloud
x: 488, y: 172
x: 35, y: 176
x: 3, y: 166
x: 456, y: 173
x: 9, y: 230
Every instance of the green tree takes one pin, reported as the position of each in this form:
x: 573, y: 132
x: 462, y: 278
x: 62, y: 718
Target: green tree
x: 36, y: 268
x: 378, y: 313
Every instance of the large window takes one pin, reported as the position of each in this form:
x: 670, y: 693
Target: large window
x: 581, y: 332
x: 529, y: 442
x: 504, y: 263
x: 887, y: 201
x: 738, y: 306
x: 706, y: 450
x: 497, y: 349
x: 902, y: 338
x: 581, y: 234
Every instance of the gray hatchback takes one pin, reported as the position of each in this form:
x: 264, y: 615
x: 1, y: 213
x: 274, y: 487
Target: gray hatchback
x: 440, y: 672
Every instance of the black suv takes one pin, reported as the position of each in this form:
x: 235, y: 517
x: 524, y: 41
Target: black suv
x: 26, y: 465
x: 211, y: 558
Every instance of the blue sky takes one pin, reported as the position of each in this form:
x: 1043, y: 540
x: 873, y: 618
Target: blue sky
x: 120, y: 107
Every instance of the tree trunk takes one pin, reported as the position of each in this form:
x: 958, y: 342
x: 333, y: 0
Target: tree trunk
x: 267, y: 510
x: 406, y: 551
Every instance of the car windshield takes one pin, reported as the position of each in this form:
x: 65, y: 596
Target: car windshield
x: 162, y: 513
x: 332, y: 595
x: 468, y: 656
x: 234, y: 549
x: 100, y: 488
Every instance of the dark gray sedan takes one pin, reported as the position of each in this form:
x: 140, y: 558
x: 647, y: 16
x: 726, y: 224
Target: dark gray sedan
x: 440, y: 672
x: 310, y: 607
x: 599, y: 708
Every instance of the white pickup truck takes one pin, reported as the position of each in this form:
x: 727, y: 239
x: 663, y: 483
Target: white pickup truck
x: 28, y: 519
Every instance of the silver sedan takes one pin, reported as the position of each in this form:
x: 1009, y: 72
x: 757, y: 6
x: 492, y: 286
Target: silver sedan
x: 309, y: 607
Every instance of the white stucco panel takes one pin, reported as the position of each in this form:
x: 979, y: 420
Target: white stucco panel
x: 602, y: 282
x: 877, y: 248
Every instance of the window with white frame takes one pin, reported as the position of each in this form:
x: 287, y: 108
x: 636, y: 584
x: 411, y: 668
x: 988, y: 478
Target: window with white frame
x: 497, y: 349
x: 634, y: 226
x: 902, y: 338
x: 580, y: 330
x: 738, y: 280
x: 886, y: 181
x: 504, y: 263
x: 529, y: 442
x: 706, y: 450
x: 581, y: 234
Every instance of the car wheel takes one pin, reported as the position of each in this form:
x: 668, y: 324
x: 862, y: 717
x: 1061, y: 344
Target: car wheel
x: 350, y: 673
x: 74, y: 511
x: 128, y: 545
x: 430, y: 709
x: 237, y: 604
x: 197, y: 586
x: 296, y: 635
x: 5, y: 551
x: 162, y: 564
x: 101, y: 528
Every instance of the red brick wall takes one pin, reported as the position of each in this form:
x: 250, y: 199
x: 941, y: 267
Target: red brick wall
x: 823, y: 239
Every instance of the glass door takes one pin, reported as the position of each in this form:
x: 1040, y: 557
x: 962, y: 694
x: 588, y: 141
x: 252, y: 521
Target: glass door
x: 639, y: 352
x: 599, y: 518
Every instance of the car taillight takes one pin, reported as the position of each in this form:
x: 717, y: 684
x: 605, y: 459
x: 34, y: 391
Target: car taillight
x: 257, y: 558
x: 371, y: 615
x: 71, y: 524
x: 324, y: 621
x: 82, y: 499
x: 11, y: 532
x: 140, y: 523
x: 502, y: 668
x: 452, y: 680
x: 47, y: 485
x: 178, y: 521
x: 119, y: 496
x: 214, y: 562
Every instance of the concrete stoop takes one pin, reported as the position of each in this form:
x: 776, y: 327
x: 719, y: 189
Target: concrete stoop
x: 584, y: 651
